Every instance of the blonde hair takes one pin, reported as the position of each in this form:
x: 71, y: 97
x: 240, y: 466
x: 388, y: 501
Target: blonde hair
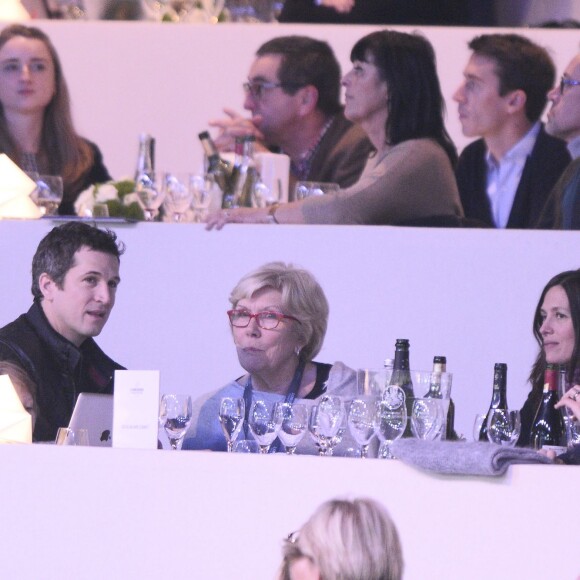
x: 302, y: 297
x: 348, y: 540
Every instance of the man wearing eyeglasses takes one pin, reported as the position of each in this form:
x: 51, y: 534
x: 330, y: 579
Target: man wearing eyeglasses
x: 505, y: 177
x: 293, y: 94
x: 562, y: 210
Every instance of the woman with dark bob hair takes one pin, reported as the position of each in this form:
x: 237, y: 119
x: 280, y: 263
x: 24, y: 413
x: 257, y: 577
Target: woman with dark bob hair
x: 557, y: 330
x: 36, y: 127
x: 393, y: 93
x: 278, y: 319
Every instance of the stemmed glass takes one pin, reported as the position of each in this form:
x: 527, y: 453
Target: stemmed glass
x: 294, y: 425
x: 231, y: 415
x: 326, y: 419
x: 390, y: 419
x: 150, y: 197
x: 361, y: 424
x: 175, y: 414
x: 48, y: 193
x: 264, y: 422
x: 213, y: 9
x: 503, y: 427
x: 201, y: 188
x: 177, y: 195
x: 427, y: 418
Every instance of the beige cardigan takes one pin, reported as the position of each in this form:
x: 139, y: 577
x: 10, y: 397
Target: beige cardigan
x: 412, y: 180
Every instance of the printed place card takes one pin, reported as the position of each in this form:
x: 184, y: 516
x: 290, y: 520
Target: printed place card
x: 136, y: 409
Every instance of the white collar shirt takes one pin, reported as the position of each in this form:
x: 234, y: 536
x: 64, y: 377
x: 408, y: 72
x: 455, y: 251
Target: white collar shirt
x: 503, y: 176
x: 574, y: 147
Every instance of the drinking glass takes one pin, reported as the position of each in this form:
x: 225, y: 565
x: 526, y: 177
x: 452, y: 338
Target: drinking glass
x: 213, y: 9
x: 48, y: 193
x: 306, y: 189
x: 175, y: 415
x: 246, y: 446
x: 325, y: 421
x: 294, y: 425
x: 572, y: 428
x: 372, y: 382
x: 231, y: 416
x: 427, y: 417
x: 480, y: 419
x: 66, y: 436
x: 149, y: 196
x: 361, y: 424
x: 177, y: 195
x: 503, y: 427
x: 337, y: 438
x: 201, y: 188
x: 390, y: 419
x: 264, y: 421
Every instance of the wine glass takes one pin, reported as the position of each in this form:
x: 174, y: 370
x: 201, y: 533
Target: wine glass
x: 246, y: 446
x: 177, y: 195
x: 66, y: 436
x: 325, y: 421
x: 231, y: 415
x: 337, y: 438
x: 149, y: 196
x: 48, y: 193
x: 503, y: 427
x: 390, y: 418
x: 306, y: 189
x: 201, y: 188
x: 294, y: 425
x: 427, y: 418
x: 480, y: 420
x: 361, y: 424
x: 175, y: 415
x: 264, y: 421
x: 213, y: 9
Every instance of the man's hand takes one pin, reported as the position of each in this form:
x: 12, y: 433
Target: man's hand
x: 234, y: 125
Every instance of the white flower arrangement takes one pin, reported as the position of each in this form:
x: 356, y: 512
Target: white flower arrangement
x: 119, y: 196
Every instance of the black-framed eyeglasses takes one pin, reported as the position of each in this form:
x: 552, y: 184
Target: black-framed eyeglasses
x: 564, y: 82
x: 267, y: 319
x: 257, y: 88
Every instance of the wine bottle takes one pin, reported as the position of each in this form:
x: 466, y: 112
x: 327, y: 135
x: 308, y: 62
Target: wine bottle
x: 498, y: 397
x: 439, y: 367
x: 401, y: 377
x: 247, y: 173
x: 548, y: 428
x: 222, y: 171
x: 145, y: 171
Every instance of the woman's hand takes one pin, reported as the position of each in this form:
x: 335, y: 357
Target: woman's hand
x: 571, y: 400
x: 238, y: 215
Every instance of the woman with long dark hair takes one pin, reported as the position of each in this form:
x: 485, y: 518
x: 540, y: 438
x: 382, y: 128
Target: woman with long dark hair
x: 36, y: 127
x: 393, y: 93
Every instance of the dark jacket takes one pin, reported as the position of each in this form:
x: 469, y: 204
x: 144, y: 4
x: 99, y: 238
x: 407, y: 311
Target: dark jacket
x: 542, y: 170
x: 59, y: 369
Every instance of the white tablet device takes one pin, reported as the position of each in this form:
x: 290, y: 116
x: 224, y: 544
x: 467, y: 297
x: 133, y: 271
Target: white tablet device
x: 95, y: 413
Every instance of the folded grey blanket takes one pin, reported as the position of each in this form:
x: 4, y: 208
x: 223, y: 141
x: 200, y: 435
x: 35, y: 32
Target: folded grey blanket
x: 463, y: 458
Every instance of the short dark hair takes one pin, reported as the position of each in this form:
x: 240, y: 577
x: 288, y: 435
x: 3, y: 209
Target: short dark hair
x: 520, y: 64
x: 570, y: 282
x: 56, y: 251
x: 415, y: 103
x: 306, y: 61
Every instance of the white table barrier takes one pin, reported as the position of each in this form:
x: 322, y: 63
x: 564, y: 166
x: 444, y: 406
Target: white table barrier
x: 170, y: 79
x: 88, y: 513
x: 466, y: 294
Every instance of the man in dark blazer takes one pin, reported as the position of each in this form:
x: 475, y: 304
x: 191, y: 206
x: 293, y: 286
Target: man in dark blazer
x: 505, y: 177
x: 562, y: 209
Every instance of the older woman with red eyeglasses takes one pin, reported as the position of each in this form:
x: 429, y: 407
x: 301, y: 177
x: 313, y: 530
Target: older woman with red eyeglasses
x: 278, y: 319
